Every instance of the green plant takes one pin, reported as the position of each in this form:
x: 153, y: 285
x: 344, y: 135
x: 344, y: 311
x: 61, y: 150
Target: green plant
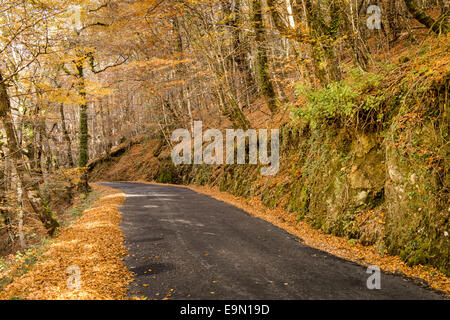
x: 341, y: 101
x: 166, y: 175
x: 3, y: 264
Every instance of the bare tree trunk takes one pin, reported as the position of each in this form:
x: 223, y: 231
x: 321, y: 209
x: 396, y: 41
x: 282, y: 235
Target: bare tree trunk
x: 180, y: 71
x: 66, y: 136
x: 20, y: 216
x: 4, y: 218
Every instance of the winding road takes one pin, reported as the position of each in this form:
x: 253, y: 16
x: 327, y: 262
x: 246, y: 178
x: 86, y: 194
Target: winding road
x: 185, y: 245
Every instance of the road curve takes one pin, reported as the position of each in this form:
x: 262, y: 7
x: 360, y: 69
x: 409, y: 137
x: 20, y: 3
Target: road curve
x: 200, y: 248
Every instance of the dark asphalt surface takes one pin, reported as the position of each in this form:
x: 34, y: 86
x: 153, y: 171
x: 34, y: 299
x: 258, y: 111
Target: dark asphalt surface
x: 199, y: 248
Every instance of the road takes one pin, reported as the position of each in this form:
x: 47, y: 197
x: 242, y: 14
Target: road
x: 195, y: 247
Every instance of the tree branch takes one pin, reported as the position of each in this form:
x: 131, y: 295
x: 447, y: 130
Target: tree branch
x: 283, y: 28
x: 117, y: 63
x: 437, y: 26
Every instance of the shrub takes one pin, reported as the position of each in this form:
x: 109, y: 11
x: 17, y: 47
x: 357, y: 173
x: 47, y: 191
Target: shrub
x: 341, y: 101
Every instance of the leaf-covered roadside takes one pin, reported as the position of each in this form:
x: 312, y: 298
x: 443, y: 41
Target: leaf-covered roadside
x: 94, y: 244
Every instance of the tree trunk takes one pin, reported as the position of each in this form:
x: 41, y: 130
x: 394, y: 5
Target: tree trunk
x: 31, y: 193
x: 437, y: 26
x: 83, y: 134
x: 4, y: 214
x: 66, y: 136
x: 180, y: 71
x: 237, y: 61
x: 20, y: 223
x: 262, y: 63
x: 323, y: 49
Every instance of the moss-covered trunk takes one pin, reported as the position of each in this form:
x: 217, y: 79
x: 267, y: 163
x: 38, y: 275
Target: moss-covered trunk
x: 83, y: 131
x: 262, y: 61
x: 437, y: 26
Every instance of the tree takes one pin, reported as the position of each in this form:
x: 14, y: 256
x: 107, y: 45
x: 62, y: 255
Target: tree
x: 84, y: 57
x: 31, y: 192
x: 262, y: 61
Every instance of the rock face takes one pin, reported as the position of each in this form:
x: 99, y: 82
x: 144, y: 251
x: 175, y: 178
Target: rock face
x: 368, y: 170
x: 417, y: 196
x: 357, y: 186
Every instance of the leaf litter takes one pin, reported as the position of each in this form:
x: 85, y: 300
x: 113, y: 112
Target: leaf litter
x: 94, y: 245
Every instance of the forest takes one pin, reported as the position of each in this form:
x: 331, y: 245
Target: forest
x: 92, y: 90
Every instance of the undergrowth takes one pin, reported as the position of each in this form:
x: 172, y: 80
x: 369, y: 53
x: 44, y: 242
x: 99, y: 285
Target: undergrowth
x: 24, y: 260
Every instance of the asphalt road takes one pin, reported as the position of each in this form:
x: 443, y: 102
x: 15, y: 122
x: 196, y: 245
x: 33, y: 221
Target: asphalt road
x: 195, y: 247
